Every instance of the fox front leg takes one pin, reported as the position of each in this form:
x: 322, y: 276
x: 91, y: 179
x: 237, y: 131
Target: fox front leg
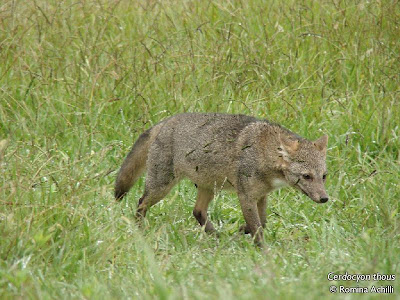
x: 252, y: 218
x: 261, y: 208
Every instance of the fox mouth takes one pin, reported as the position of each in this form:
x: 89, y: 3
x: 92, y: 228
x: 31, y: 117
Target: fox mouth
x: 308, y: 195
x: 304, y: 192
x: 299, y: 187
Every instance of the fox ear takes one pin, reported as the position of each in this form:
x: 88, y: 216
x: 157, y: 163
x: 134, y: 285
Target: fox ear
x: 322, y: 143
x: 287, y: 148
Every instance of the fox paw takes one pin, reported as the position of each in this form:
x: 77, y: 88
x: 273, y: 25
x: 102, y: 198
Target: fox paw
x: 244, y: 229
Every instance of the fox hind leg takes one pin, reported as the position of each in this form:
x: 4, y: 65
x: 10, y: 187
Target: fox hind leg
x: 204, y: 197
x: 159, y: 180
x: 150, y: 197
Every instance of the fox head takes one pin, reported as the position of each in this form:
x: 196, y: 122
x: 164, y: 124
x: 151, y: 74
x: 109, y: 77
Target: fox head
x: 303, y: 165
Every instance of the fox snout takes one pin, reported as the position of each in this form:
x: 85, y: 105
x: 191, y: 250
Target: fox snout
x: 320, y: 197
x: 323, y: 200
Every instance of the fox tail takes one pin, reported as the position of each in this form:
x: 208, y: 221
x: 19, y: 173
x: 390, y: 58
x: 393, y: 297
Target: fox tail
x: 133, y: 166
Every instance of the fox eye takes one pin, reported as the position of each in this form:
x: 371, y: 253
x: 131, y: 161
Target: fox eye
x: 307, y: 177
x: 324, y: 176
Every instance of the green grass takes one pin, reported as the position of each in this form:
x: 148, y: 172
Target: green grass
x: 80, y: 80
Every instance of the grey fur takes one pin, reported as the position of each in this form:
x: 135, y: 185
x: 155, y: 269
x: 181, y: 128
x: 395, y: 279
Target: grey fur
x: 222, y: 151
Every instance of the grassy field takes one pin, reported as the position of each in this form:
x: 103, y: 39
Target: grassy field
x: 80, y: 80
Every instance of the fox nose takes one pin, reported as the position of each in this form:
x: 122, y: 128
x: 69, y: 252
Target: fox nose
x: 324, y: 199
